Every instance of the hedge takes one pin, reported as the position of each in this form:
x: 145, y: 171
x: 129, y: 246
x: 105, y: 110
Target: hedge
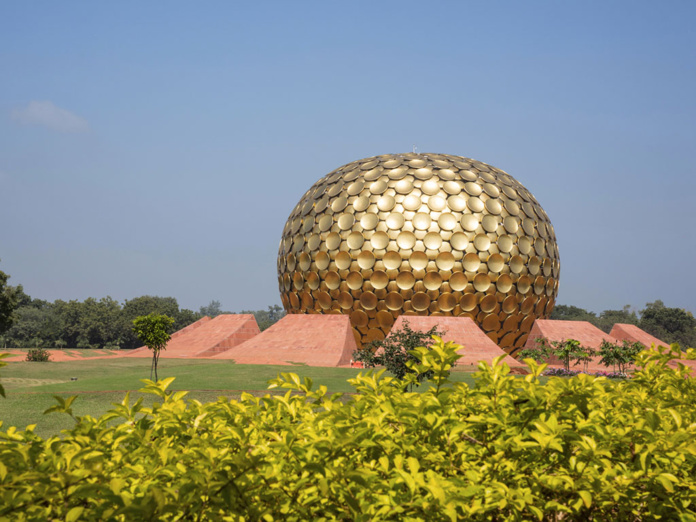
x: 509, y: 448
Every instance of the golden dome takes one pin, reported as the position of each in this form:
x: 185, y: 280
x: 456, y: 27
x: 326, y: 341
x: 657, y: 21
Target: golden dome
x: 420, y: 234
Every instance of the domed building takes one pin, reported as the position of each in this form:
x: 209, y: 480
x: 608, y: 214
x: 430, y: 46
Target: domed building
x: 420, y: 234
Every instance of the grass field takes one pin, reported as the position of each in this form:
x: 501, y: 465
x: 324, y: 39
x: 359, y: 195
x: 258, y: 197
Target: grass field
x: 100, y: 383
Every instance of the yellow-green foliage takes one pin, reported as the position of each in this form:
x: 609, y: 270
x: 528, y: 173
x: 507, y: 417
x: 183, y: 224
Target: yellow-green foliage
x: 510, y: 448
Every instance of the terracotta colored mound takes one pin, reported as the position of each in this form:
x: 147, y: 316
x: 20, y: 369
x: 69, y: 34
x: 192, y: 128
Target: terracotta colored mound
x: 630, y: 332
x: 476, y: 345
x: 207, y: 337
x: 315, y: 340
x: 191, y: 327
x: 583, y: 331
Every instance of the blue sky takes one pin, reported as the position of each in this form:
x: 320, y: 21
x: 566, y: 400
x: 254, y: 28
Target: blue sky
x: 158, y: 148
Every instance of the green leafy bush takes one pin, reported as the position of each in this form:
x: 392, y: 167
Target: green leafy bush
x: 509, y: 448
x: 395, y: 352
x: 38, y: 355
x: 619, y: 355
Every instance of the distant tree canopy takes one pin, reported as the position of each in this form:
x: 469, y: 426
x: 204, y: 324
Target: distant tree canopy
x: 213, y: 309
x: 94, y: 323
x: 672, y: 325
x: 8, y: 302
x: 266, y: 318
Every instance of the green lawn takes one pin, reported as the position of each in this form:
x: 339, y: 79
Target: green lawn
x: 100, y: 383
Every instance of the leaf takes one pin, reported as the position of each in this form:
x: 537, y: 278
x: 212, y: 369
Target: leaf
x: 74, y: 514
x: 666, y: 480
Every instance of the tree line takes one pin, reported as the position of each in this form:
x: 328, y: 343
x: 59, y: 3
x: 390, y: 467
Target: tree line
x: 98, y: 323
x: 26, y: 322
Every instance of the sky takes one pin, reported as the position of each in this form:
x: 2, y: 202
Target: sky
x: 159, y: 147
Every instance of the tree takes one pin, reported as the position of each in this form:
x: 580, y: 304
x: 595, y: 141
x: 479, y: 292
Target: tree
x: 621, y: 355
x: 213, y: 309
x: 566, y: 351
x: 99, y: 323
x: 34, y: 327
x: 539, y: 354
x: 572, y: 313
x: 145, y: 305
x: 185, y: 317
x: 608, y: 318
x: 394, y: 352
x: 266, y: 318
x: 584, y: 356
x: 672, y: 325
x: 8, y: 302
x: 153, y: 332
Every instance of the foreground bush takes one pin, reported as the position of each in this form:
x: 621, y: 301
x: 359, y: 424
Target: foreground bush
x: 511, y: 448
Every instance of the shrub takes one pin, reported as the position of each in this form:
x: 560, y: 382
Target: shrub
x: 619, y: 355
x: 612, y: 375
x: 395, y: 352
x: 560, y: 372
x: 567, y: 351
x: 509, y: 448
x: 38, y: 355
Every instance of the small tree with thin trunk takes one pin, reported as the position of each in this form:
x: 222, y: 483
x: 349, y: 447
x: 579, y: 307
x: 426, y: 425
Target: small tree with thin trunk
x: 153, y: 332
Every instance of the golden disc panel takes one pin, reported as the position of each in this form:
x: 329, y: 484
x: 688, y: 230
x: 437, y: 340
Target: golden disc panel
x: 392, y: 260
x: 366, y: 260
x: 432, y: 280
x: 469, y: 222
x: 386, y: 203
x: 420, y: 301
x: 446, y: 302
x: 411, y: 202
x: 432, y: 241
x: 394, y: 300
x: 405, y: 280
x: 332, y: 280
x: 355, y: 240
x: 468, y: 302
x: 504, y: 283
x: 436, y: 203
x: 343, y: 260
x: 458, y: 281
x: 418, y: 261
x: 345, y: 300
x: 358, y: 318
x: 447, y: 221
x: 488, y: 303
x: 445, y: 261
x: 322, y: 260
x: 379, y: 240
x: 421, y: 221
x: 456, y: 203
x: 406, y: 240
x: 420, y: 234
x: 379, y: 279
x: 368, y: 300
x: 354, y: 280
x: 495, y: 263
x: 482, y: 282
x: 471, y: 262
